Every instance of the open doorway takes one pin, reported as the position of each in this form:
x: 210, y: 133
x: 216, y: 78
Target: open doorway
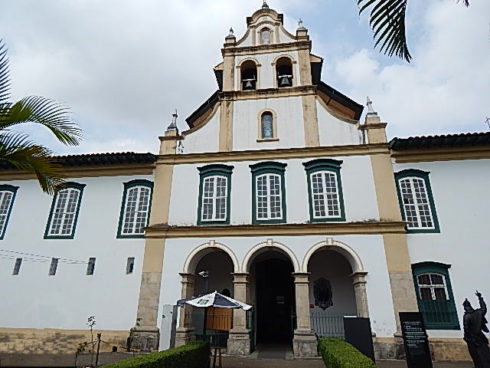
x: 274, y: 298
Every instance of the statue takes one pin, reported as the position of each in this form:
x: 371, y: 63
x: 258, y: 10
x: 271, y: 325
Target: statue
x: 475, y: 323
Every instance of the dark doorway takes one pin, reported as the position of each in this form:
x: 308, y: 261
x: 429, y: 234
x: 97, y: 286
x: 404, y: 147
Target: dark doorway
x: 275, y: 301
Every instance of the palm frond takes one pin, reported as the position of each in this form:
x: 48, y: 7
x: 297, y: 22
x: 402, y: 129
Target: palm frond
x: 17, y: 150
x: 387, y: 19
x: 40, y: 110
x: 4, y: 75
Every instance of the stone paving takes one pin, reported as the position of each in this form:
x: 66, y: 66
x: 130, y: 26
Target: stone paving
x: 233, y: 362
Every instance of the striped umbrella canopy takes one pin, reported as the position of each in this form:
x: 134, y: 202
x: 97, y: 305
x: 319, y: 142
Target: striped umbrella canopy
x: 216, y: 300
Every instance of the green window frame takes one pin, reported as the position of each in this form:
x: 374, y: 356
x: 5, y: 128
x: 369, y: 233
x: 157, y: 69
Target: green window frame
x: 268, y: 193
x: 325, y: 195
x: 214, y: 195
x: 135, y: 209
x: 7, y: 198
x: 435, y: 295
x: 417, y: 201
x: 63, y: 215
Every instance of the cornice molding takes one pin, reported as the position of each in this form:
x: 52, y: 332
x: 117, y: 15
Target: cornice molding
x: 442, y: 154
x: 265, y: 49
x: 77, y: 172
x: 268, y: 93
x: 274, y: 154
x: 377, y: 227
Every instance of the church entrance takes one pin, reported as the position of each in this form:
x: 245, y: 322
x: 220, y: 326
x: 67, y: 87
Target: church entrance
x: 274, y: 298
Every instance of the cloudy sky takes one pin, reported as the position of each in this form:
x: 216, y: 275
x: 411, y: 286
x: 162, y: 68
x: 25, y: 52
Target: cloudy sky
x: 122, y: 66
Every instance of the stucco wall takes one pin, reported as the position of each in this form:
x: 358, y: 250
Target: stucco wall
x: 357, y: 184
x: 35, y: 300
x: 205, y: 139
x: 287, y: 111
x: 335, y: 132
x: 460, y: 191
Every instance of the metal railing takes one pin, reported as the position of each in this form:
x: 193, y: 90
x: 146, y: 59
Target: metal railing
x: 327, y: 324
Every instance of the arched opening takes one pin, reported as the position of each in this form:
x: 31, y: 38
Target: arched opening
x: 267, y: 125
x: 284, y: 72
x: 248, y: 73
x: 332, y: 293
x: 211, y: 270
x: 272, y: 295
x: 265, y: 36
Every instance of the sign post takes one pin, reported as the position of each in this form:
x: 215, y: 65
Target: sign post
x: 415, y: 340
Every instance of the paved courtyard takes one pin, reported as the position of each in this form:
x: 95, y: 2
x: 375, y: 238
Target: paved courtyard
x: 232, y: 362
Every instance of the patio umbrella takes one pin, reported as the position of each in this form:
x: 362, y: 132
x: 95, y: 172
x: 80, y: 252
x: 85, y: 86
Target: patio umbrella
x: 216, y: 300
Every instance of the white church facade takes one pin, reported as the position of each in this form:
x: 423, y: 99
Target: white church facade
x: 278, y: 194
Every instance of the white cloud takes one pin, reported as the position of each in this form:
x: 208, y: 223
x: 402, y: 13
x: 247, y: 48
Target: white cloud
x: 446, y: 87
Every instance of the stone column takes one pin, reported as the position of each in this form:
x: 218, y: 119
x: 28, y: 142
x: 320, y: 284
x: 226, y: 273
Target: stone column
x: 239, y: 339
x: 185, y: 329
x: 359, y: 283
x: 304, y: 341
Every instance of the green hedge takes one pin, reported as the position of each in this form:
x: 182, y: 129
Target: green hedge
x: 337, y: 353
x: 192, y: 355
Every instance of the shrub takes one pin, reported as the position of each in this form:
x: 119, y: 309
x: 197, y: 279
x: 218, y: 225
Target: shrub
x: 192, y: 355
x: 337, y: 353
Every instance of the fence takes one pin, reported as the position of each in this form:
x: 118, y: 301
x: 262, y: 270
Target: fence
x: 327, y: 324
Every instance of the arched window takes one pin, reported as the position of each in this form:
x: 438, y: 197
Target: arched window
x: 214, y: 195
x: 7, y: 196
x: 63, y: 216
x: 435, y: 295
x: 284, y: 72
x: 265, y: 36
x: 325, y: 190
x: 269, y: 205
x: 135, y: 209
x: 248, y: 71
x: 267, y: 125
x: 416, y: 201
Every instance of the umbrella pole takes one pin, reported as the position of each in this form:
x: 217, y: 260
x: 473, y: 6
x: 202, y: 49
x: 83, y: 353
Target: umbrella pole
x: 205, y: 322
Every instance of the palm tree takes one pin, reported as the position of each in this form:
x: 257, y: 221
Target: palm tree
x: 16, y: 149
x: 387, y: 19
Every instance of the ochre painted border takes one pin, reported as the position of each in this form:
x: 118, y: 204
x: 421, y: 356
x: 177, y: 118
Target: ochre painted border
x: 274, y: 154
x: 380, y: 227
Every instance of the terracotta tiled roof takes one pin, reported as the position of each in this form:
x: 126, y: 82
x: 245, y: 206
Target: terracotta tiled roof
x: 98, y: 159
x: 436, y: 141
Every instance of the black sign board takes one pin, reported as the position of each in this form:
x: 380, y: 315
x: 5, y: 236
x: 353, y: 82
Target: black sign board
x: 357, y: 332
x: 415, y: 340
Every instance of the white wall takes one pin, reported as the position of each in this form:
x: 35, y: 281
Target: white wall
x: 461, y: 195
x: 357, y: 183
x: 35, y: 300
x: 369, y: 248
x: 335, y: 132
x: 290, y: 127
x: 206, y: 138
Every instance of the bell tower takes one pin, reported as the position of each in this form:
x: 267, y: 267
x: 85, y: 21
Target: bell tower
x: 267, y: 95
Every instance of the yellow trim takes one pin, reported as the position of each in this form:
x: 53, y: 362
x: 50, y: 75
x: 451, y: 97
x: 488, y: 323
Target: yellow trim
x: 442, y: 154
x: 165, y: 231
x: 310, y: 119
x: 266, y: 49
x: 256, y: 94
x: 226, y: 126
x: 280, y: 153
x: 78, y: 172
